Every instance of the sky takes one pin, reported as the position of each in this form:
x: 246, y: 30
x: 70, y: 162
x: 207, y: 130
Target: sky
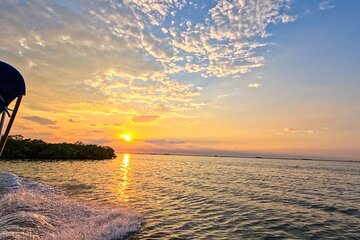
x: 247, y: 78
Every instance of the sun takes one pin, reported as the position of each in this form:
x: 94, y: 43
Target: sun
x: 126, y: 137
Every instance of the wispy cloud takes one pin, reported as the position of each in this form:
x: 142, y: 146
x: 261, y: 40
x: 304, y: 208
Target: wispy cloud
x: 163, y: 142
x: 144, y: 118
x: 302, y: 131
x: 254, y: 85
x: 326, y: 4
x: 41, y: 120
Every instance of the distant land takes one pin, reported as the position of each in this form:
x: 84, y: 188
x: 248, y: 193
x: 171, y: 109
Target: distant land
x: 252, y: 157
x: 35, y: 149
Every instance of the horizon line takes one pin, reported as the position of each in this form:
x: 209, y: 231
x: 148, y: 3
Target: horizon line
x: 247, y: 157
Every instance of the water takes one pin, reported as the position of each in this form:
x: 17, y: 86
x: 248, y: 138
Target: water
x: 180, y: 197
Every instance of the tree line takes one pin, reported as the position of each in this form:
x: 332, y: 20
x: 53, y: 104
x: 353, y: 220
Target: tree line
x: 19, y: 148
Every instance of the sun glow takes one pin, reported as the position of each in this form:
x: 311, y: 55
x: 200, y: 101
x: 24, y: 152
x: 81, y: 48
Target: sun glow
x: 126, y: 137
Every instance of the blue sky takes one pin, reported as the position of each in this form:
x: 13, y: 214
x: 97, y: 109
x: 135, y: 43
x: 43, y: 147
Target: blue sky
x: 272, y: 77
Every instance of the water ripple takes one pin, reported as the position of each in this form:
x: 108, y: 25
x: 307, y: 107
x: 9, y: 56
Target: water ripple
x: 184, y: 197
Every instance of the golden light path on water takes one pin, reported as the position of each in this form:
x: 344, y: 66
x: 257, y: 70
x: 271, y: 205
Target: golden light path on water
x: 124, y: 180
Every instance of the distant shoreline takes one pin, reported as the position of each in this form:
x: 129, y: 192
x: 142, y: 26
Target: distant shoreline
x: 247, y: 157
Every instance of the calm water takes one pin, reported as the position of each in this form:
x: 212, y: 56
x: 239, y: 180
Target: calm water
x: 183, y: 197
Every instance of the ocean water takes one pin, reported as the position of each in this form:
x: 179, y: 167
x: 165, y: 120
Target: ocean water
x: 180, y: 197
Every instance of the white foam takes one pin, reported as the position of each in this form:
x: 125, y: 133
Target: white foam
x: 30, y: 210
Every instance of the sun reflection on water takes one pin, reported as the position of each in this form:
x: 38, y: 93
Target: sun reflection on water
x: 124, y: 181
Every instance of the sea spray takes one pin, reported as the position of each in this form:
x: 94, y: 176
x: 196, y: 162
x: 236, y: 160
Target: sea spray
x: 31, y: 210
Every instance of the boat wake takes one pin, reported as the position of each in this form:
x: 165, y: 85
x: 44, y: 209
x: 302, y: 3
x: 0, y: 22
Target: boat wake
x: 31, y: 210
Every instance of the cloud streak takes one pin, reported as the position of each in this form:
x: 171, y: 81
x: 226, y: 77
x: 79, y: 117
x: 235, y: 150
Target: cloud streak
x: 326, y: 4
x: 254, y: 85
x: 144, y: 118
x: 302, y: 131
x: 41, y: 120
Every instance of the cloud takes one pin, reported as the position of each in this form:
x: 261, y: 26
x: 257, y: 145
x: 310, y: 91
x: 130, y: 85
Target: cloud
x: 288, y: 18
x: 227, y: 43
x: 71, y: 120
x: 303, y: 131
x: 163, y: 142
x: 41, y: 120
x: 93, y: 60
x: 254, y: 85
x: 326, y: 4
x: 117, y: 53
x: 144, y: 118
x: 98, y: 52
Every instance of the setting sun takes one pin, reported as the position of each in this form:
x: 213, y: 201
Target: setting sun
x: 126, y: 137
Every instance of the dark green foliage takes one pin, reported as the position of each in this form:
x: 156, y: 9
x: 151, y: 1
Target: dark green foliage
x: 19, y: 148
